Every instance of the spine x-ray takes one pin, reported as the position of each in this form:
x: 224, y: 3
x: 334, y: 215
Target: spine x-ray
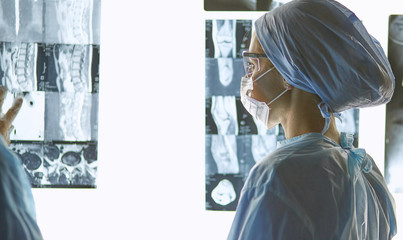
x: 394, y: 109
x: 49, y: 55
x: 234, y: 140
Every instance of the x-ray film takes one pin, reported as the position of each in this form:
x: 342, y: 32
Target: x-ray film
x: 228, y: 110
x: 95, y: 69
x: 69, y: 116
x: 65, y: 68
x: 223, y: 191
x: 49, y: 56
x: 231, y: 154
x: 227, y: 38
x: 58, y: 164
x: 72, y: 22
x: 8, y: 26
x: 394, y: 109
x: 234, y: 140
x: 223, y: 76
x: 51, y: 21
x: 18, y: 66
x: 21, y: 20
x: 30, y: 20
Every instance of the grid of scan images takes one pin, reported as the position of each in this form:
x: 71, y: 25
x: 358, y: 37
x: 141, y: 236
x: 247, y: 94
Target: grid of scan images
x: 234, y: 140
x: 49, y: 54
x: 394, y: 109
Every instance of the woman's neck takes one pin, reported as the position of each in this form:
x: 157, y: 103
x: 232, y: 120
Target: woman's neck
x: 303, y: 116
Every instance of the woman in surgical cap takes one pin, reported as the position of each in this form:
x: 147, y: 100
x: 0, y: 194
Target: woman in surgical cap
x: 308, y: 61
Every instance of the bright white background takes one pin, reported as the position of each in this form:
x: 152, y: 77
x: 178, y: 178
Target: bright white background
x: 151, y: 128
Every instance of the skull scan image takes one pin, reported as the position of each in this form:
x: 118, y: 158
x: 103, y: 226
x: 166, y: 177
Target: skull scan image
x: 18, y: 64
x: 224, y: 152
x: 223, y: 110
x: 72, y: 67
x: 224, y: 193
x: 224, y: 38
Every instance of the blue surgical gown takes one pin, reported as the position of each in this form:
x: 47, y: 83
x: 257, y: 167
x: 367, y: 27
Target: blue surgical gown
x: 314, y: 188
x: 17, y: 211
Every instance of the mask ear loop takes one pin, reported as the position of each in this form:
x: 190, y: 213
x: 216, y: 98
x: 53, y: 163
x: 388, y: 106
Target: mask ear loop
x: 262, y: 75
x: 281, y: 94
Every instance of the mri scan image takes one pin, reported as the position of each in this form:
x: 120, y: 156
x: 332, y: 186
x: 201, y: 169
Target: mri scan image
x: 30, y: 20
x: 72, y: 21
x: 58, y: 164
x: 31, y: 155
x: 72, y: 64
x: 70, y: 116
x: 223, y: 191
x: 49, y: 56
x: 223, y: 76
x: 71, y: 164
x: 224, y: 152
x: 223, y: 111
x: 8, y: 24
x: 66, y: 67
x: 18, y: 66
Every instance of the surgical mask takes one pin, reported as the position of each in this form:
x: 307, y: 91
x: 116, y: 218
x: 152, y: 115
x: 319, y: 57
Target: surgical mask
x: 259, y: 110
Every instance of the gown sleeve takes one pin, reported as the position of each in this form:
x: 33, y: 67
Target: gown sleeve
x: 17, y: 210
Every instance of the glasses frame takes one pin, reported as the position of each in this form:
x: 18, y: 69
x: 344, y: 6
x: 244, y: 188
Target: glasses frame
x: 252, y: 55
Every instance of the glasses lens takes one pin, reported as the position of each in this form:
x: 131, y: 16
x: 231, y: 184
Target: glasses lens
x: 250, y: 64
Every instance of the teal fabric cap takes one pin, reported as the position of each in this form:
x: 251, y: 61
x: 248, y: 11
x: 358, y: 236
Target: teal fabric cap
x: 321, y: 47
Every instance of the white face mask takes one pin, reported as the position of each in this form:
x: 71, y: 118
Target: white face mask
x: 259, y: 110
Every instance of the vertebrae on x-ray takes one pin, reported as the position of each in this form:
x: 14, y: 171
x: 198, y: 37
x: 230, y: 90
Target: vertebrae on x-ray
x: 74, y: 20
x: 74, y: 120
x: 71, y: 69
x: 17, y: 63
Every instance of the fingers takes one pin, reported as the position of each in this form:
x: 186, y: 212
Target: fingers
x: 8, y: 134
x: 3, y: 94
x: 13, y: 111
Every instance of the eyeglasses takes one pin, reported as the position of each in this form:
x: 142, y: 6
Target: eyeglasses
x: 251, y: 62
